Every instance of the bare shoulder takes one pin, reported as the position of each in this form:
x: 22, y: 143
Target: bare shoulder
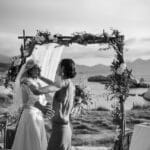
x: 27, y: 81
x: 24, y: 80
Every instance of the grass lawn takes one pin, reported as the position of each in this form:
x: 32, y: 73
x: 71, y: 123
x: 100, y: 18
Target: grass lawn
x: 95, y: 128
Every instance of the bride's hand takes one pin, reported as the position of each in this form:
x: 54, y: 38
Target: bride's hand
x: 48, y: 111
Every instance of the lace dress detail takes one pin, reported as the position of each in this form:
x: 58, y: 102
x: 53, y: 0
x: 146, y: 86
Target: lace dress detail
x: 31, y: 134
x: 27, y: 95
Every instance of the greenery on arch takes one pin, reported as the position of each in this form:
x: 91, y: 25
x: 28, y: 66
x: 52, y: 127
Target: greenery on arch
x: 120, y: 76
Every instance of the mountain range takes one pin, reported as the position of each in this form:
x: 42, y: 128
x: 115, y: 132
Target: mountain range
x: 139, y: 67
x: 97, y: 69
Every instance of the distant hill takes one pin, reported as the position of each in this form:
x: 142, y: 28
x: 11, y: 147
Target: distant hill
x: 139, y: 67
x: 4, y: 63
x: 97, y: 69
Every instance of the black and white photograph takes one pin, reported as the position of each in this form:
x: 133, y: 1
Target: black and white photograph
x: 74, y: 75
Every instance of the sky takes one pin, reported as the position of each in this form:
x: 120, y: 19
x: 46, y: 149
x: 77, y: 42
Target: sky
x: 130, y: 17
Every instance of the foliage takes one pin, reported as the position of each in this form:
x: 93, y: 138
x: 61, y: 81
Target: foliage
x: 12, y: 117
x: 119, y: 87
x: 41, y: 38
x: 83, y: 98
x: 119, y: 79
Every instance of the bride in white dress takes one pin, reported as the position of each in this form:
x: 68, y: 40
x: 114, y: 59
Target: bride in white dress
x: 31, y: 134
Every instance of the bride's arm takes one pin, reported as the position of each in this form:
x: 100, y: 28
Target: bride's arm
x: 58, y: 83
x: 37, y: 90
x: 42, y: 90
x: 47, y: 81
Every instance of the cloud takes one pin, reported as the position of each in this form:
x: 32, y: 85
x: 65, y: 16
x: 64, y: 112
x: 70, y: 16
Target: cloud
x: 147, y: 39
x: 77, y: 51
x: 133, y: 41
x: 73, y: 15
x: 9, y: 44
x: 91, y: 61
x: 68, y: 16
x: 134, y: 48
x: 138, y: 48
x: 130, y: 41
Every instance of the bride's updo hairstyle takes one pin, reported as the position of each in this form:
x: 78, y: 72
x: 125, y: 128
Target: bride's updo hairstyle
x: 30, y: 66
x: 69, y: 70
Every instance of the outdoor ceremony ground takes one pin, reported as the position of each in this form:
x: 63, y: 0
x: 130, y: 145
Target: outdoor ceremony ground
x: 95, y: 128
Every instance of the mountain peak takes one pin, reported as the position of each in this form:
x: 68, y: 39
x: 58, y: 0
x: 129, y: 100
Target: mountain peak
x: 140, y: 66
x: 139, y: 60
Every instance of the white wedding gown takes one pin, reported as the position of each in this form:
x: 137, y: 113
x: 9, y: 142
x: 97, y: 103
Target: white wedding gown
x: 31, y: 134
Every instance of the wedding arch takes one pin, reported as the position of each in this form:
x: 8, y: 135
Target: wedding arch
x: 120, y: 75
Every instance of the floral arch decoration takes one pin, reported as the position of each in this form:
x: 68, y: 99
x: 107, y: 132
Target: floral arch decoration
x: 120, y: 76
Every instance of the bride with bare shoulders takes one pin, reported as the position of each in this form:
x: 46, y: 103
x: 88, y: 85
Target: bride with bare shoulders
x: 31, y: 134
